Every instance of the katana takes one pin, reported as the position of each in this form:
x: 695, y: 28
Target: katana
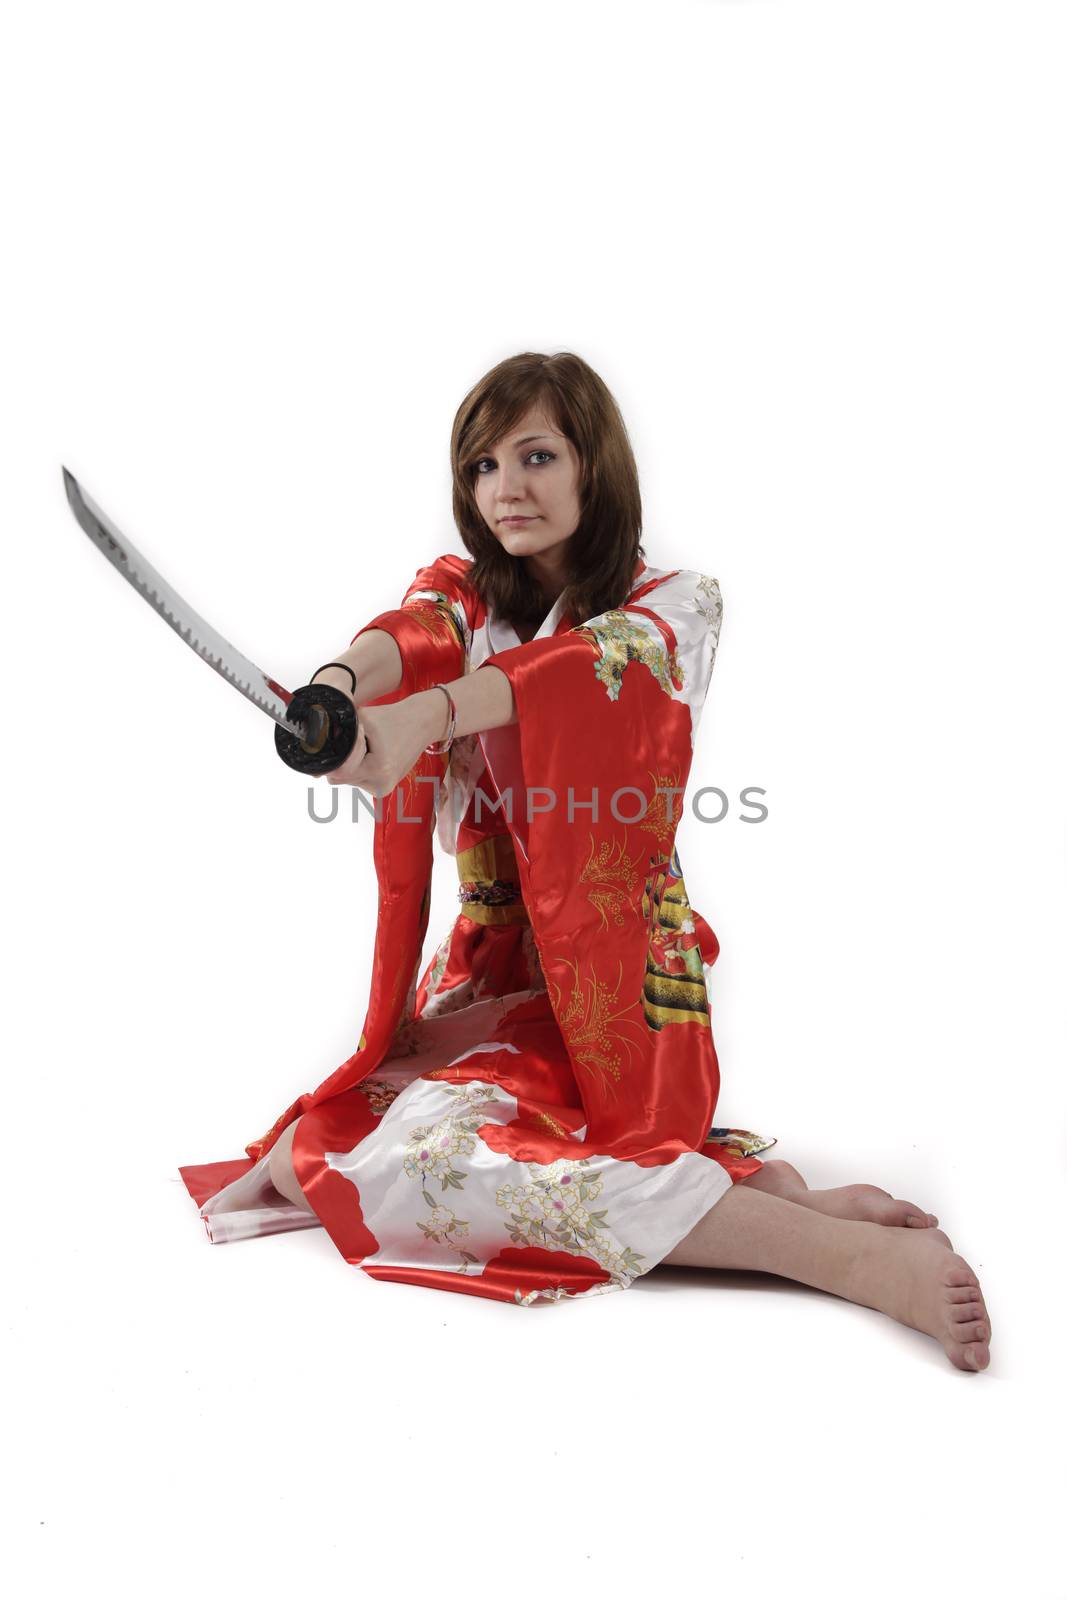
x: 315, y: 726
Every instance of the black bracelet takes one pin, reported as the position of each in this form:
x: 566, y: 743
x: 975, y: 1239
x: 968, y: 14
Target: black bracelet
x: 341, y: 666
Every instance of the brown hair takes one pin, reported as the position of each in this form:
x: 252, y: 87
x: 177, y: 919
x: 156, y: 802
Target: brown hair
x: 604, y: 548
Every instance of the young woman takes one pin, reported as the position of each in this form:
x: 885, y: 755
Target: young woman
x: 533, y: 1117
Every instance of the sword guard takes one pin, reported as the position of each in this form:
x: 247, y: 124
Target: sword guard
x: 331, y: 727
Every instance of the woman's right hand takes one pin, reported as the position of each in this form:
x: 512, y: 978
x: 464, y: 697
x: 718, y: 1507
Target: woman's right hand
x: 390, y: 741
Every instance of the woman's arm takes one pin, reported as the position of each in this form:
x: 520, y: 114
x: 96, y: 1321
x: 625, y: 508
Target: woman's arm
x: 391, y: 738
x: 376, y: 661
x: 483, y: 700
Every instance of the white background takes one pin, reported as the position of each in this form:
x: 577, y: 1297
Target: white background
x: 255, y: 256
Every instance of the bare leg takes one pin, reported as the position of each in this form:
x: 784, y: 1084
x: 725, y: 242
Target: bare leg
x: 282, y: 1175
x: 857, y: 1202
x: 919, y: 1281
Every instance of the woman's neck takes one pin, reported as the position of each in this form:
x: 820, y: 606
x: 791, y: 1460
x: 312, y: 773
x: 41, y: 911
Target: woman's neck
x: 550, y: 572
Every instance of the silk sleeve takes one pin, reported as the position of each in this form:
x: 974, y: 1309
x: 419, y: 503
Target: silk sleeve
x: 606, y: 716
x: 432, y: 626
x: 630, y: 683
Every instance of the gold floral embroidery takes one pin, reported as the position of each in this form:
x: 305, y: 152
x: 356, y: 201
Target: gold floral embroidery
x: 440, y: 962
x: 614, y: 872
x: 586, y: 1021
x: 621, y: 641
x: 658, y: 820
x: 430, y: 1150
x: 380, y: 1094
x: 552, y: 1211
x: 710, y: 607
x: 433, y: 1151
x: 444, y: 1227
x: 541, y: 1119
x: 433, y: 611
x: 409, y: 794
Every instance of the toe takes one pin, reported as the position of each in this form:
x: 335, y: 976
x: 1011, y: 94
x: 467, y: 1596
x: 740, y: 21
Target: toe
x: 973, y: 1357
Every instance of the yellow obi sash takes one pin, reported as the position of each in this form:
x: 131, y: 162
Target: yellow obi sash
x: 489, y: 888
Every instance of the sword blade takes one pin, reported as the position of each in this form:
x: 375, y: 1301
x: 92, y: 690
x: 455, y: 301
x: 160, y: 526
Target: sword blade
x: 210, y: 646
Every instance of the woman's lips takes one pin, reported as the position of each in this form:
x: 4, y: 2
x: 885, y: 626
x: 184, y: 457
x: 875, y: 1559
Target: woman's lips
x: 515, y: 521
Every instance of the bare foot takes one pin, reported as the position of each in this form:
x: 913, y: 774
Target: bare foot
x: 928, y: 1287
x: 862, y: 1202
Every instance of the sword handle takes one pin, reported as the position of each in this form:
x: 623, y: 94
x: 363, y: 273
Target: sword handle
x: 331, y: 726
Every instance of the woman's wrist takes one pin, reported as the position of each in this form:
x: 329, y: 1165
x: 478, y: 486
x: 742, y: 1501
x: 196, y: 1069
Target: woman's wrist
x: 374, y: 659
x: 434, y: 714
x: 483, y: 700
x: 338, y: 678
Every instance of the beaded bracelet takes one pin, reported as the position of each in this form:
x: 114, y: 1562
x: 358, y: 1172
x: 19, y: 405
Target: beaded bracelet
x: 442, y: 746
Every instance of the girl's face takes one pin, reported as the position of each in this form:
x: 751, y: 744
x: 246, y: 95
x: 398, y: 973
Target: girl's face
x: 526, y: 488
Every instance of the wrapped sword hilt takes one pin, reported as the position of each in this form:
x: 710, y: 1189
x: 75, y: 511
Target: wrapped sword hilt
x: 330, y: 729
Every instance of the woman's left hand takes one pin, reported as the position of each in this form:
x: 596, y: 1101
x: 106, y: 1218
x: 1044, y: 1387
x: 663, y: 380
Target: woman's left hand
x: 390, y: 740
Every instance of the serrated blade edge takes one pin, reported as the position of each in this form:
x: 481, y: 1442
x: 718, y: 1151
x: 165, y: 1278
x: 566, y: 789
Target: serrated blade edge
x: 210, y: 646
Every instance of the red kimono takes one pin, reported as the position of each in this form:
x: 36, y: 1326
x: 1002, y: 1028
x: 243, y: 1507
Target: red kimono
x: 533, y: 1116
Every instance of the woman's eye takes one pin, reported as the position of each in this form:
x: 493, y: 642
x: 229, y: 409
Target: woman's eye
x: 488, y: 462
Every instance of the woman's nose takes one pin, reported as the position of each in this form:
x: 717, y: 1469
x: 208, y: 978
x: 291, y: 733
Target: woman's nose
x: 509, y: 485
